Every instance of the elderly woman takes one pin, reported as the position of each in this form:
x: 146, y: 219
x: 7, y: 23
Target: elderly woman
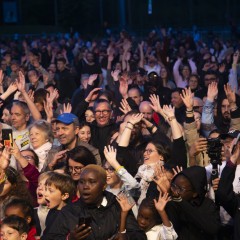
x: 41, y: 139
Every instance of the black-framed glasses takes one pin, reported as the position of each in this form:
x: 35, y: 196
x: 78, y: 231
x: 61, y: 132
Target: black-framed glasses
x: 109, y: 169
x: 178, y: 189
x: 210, y: 79
x: 103, y: 112
x: 149, y: 151
x: 77, y: 169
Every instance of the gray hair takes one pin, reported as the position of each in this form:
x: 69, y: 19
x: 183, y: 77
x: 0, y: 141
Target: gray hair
x: 45, y: 127
x: 23, y: 106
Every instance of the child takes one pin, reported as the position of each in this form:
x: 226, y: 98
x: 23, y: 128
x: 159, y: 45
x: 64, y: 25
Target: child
x: 14, y: 228
x: 40, y: 213
x: 148, y: 217
x: 59, y: 190
x: 21, y: 208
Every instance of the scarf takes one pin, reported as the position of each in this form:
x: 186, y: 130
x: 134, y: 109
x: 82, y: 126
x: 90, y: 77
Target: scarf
x: 42, y: 153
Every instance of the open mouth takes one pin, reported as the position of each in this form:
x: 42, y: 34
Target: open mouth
x: 39, y: 196
x: 47, y: 202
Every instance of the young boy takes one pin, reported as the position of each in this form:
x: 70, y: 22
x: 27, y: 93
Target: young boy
x: 14, y: 228
x: 59, y: 190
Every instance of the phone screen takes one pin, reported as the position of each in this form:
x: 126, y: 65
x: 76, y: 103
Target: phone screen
x: 7, y: 137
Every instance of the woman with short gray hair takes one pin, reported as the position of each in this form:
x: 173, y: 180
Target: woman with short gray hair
x: 41, y: 138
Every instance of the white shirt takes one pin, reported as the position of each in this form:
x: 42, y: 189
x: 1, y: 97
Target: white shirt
x: 161, y: 232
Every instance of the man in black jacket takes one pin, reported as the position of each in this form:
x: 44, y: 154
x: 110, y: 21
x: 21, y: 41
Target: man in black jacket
x: 64, y: 81
x: 96, y: 215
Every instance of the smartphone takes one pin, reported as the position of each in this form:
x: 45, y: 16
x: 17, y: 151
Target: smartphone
x: 7, y: 137
x: 87, y: 221
x: 235, y: 144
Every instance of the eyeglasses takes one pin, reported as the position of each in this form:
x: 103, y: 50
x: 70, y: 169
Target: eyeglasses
x: 178, y: 189
x: 29, y: 158
x: 103, y: 112
x: 109, y: 169
x: 149, y: 151
x: 75, y: 169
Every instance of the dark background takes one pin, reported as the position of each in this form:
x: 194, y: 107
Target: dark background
x: 92, y: 15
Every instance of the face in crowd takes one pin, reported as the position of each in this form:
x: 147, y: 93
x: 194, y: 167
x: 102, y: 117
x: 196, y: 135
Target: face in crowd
x: 91, y: 186
x: 66, y: 133
x: 19, y: 118
x: 103, y: 113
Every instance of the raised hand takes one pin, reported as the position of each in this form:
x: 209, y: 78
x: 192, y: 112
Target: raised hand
x: 212, y: 91
x: 51, y: 96
x: 31, y: 95
x: 5, y: 158
x: 161, y: 179
x: 12, y: 87
x: 67, y: 108
x: 231, y: 96
x: 177, y: 170
x: 198, y: 146
x: 115, y: 75
x: 124, y: 203
x: 136, y: 118
x: 222, y: 68
x: 92, y: 78
x: 156, y: 104
x: 169, y: 111
x: 92, y: 95
x: 110, y: 153
x: 21, y: 82
x: 162, y: 202
x: 125, y: 108
x: 187, y: 97
x: 48, y: 108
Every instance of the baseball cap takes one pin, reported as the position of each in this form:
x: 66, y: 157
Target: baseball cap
x: 141, y: 71
x: 231, y: 133
x: 66, y: 118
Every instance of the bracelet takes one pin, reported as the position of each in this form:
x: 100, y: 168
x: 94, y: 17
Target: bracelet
x: 189, y: 111
x: 128, y: 128
x: 171, y: 118
x: 120, y: 167
x: 131, y: 123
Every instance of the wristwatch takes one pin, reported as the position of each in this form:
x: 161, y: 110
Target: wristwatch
x: 171, y: 118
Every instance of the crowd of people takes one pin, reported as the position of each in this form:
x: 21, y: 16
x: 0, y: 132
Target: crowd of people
x: 120, y: 138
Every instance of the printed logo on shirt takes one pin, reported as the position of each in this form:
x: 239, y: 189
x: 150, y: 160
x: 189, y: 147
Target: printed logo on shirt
x: 23, y: 144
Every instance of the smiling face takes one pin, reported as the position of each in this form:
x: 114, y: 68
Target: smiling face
x: 85, y: 134
x: 37, y: 137
x: 54, y: 197
x: 75, y: 169
x: 112, y: 179
x: 66, y: 134
x: 91, y: 187
x: 103, y: 114
x: 89, y: 115
x: 151, y: 154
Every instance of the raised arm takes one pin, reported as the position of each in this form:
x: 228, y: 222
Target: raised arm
x: 32, y: 107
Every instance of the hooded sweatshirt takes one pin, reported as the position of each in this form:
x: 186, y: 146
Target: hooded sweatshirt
x: 198, y: 218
